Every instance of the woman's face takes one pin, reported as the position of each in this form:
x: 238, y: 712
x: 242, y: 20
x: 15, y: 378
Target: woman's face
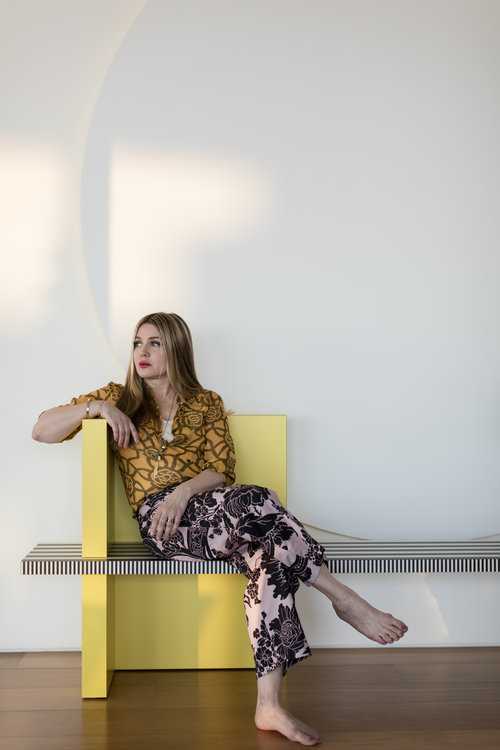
x: 148, y: 349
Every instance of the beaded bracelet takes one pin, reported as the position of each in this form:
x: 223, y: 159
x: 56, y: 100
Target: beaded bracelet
x: 87, y: 410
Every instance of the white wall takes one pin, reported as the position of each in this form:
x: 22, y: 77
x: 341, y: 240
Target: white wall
x: 314, y: 188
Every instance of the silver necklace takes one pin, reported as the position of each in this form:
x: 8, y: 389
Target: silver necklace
x: 166, y: 437
x: 167, y: 430
x: 168, y: 423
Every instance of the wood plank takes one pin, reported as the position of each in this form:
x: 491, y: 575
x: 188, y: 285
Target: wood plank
x: 397, y: 698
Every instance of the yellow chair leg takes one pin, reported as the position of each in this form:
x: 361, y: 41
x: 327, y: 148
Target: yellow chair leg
x: 97, y: 635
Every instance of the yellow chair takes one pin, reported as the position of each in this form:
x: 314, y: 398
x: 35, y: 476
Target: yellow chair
x: 166, y: 621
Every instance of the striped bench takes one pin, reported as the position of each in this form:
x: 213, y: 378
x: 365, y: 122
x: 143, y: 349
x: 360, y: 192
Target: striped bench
x: 134, y: 558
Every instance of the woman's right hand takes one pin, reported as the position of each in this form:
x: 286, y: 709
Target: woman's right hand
x: 122, y: 426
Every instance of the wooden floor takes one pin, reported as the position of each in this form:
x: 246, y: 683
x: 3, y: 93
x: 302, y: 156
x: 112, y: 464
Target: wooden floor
x: 361, y: 699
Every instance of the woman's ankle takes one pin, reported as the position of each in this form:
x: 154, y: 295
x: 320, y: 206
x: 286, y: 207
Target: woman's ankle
x: 267, y: 702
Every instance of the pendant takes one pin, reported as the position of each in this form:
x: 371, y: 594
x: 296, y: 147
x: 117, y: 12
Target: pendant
x: 167, y: 430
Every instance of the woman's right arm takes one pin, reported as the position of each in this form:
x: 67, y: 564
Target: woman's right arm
x: 63, y: 422
x: 53, y: 425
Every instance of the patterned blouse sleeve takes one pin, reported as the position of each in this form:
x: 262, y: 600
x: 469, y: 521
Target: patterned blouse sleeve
x: 109, y: 392
x: 219, y: 453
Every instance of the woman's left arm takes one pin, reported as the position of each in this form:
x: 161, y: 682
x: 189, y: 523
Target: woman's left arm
x: 205, y: 480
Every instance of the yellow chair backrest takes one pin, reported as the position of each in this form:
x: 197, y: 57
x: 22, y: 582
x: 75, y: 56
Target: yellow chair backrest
x: 260, y: 444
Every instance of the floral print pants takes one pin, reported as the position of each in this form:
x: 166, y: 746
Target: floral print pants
x: 246, y: 525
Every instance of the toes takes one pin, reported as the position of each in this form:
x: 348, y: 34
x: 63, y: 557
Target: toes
x: 398, y: 624
x: 310, y: 733
x: 391, y: 634
x: 306, y: 729
x: 395, y: 632
x: 305, y: 739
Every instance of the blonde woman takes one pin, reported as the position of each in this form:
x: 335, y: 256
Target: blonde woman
x: 176, y: 456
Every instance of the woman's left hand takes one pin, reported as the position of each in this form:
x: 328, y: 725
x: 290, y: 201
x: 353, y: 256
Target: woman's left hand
x: 167, y: 515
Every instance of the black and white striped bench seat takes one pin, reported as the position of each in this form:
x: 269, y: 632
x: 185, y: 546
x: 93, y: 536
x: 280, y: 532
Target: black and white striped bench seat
x: 134, y: 558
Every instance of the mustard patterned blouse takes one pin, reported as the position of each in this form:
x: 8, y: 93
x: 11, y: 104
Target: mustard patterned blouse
x: 201, y: 441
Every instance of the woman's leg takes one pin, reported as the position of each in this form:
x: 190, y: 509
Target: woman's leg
x: 284, y: 538
x: 270, y: 715
x: 273, y: 624
x: 374, y: 623
x: 277, y: 639
x: 214, y: 527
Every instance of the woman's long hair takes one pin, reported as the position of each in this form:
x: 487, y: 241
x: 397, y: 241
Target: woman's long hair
x: 136, y: 401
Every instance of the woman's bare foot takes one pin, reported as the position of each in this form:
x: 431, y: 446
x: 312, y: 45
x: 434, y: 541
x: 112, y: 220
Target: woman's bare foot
x: 273, y: 716
x: 379, y: 626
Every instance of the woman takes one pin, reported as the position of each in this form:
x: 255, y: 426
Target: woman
x: 177, y: 460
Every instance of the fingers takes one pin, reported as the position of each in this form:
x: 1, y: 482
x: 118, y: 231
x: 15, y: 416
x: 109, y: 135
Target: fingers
x: 123, y: 436
x: 127, y: 432
x: 130, y: 433
x: 117, y: 432
x: 166, y: 518
x: 157, y: 522
x: 157, y: 527
x: 164, y: 527
x: 175, y: 523
x: 124, y: 430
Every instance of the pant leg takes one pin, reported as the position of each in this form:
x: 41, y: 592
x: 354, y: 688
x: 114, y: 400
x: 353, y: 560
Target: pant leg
x: 274, y: 628
x: 248, y: 526
x: 276, y: 553
x: 258, y: 520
